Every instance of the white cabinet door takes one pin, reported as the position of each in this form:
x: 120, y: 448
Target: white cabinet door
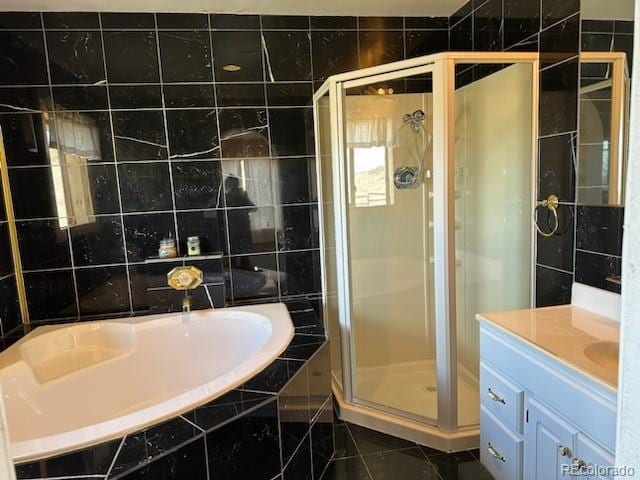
x: 549, y: 444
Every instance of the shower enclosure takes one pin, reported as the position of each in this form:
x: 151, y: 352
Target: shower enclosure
x: 426, y: 171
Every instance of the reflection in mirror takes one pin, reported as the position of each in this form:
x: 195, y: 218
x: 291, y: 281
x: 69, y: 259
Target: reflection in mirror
x: 604, y: 102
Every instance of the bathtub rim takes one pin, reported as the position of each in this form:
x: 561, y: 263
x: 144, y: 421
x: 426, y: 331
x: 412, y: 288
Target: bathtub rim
x: 66, y: 442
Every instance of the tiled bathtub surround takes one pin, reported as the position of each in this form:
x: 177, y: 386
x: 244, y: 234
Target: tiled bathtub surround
x: 552, y: 28
x: 141, y: 121
x: 278, y: 423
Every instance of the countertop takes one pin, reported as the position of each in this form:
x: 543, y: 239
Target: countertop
x: 564, y: 332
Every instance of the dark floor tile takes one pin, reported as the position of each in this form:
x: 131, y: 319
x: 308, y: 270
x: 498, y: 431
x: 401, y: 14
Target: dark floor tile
x: 346, y: 469
x: 345, y: 445
x: 322, y: 440
x: 406, y: 464
x: 370, y: 441
x: 300, y: 467
x: 459, y: 466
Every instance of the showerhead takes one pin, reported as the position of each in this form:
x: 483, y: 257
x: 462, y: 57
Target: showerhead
x: 414, y: 119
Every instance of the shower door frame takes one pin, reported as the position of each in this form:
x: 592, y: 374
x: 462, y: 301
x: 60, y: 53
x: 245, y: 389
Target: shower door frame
x: 442, y: 67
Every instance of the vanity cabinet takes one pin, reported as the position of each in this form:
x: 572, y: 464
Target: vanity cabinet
x: 540, y: 417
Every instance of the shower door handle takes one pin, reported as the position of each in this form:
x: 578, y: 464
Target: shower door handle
x: 494, y: 397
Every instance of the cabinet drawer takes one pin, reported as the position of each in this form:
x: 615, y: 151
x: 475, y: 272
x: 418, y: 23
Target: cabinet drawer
x: 502, y: 397
x: 500, y: 449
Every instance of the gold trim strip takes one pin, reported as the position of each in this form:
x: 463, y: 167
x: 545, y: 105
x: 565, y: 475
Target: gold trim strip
x: 13, y: 235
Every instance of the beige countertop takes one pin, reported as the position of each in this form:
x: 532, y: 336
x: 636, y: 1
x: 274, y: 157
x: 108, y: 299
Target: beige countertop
x: 584, y: 340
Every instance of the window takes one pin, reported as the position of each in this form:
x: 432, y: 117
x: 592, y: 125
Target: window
x: 370, y: 177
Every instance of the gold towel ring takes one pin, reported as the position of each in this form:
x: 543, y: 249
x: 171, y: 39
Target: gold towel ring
x: 552, y: 204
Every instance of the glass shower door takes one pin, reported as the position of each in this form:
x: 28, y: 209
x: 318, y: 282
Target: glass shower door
x: 388, y: 146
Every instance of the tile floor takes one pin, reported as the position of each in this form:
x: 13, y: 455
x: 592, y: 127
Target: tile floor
x: 363, y: 454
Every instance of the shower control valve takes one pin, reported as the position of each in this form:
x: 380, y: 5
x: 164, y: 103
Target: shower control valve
x: 406, y: 177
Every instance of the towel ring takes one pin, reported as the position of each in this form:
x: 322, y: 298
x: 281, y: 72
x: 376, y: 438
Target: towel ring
x: 552, y: 204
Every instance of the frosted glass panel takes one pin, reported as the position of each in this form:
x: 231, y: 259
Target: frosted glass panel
x: 390, y: 240
x: 492, y: 211
x: 323, y: 120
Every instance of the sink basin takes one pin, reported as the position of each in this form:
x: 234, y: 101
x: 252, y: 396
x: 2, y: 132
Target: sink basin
x: 604, y: 354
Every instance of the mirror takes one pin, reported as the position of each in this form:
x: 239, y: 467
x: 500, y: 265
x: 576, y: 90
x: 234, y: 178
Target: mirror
x: 606, y: 59
x: 604, y: 128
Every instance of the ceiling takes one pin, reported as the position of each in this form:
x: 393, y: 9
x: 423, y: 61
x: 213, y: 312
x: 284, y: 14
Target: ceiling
x: 281, y: 7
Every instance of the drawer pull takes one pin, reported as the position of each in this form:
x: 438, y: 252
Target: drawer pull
x: 495, y: 397
x: 564, y: 451
x: 579, y: 465
x: 494, y: 453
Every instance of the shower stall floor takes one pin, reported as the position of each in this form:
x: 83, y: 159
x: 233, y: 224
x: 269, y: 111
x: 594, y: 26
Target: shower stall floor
x: 412, y: 388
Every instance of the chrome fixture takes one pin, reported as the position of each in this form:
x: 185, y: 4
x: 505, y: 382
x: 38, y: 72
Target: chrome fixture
x: 414, y: 120
x: 411, y: 177
x: 185, y: 279
x: 552, y: 204
x: 406, y: 177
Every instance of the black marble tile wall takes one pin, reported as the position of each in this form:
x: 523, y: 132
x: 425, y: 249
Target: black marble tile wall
x: 599, y: 229
x: 9, y: 309
x: 124, y: 129
x: 552, y: 28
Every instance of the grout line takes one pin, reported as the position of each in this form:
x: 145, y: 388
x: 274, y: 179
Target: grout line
x: 116, y: 169
x: 50, y: 166
x: 223, y: 192
x: 166, y: 131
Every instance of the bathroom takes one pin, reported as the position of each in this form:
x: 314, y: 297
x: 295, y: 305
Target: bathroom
x: 263, y: 239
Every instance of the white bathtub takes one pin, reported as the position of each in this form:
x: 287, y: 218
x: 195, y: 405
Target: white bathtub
x: 73, y: 385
